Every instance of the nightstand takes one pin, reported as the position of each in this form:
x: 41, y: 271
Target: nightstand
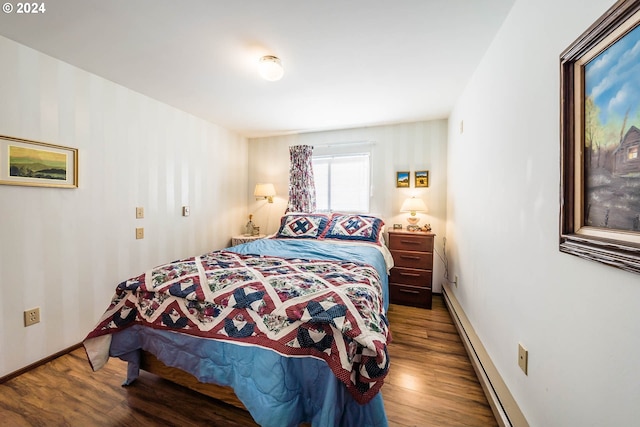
x: 236, y: 240
x: 411, y: 276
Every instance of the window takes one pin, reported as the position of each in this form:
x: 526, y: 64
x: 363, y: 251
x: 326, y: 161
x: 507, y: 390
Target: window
x: 342, y: 183
x: 632, y: 153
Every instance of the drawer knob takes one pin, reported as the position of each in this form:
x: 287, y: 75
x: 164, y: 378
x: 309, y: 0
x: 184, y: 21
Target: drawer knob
x: 408, y: 291
x: 410, y: 257
x: 411, y: 242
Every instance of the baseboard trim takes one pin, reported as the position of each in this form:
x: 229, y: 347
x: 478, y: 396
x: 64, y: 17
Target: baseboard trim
x: 39, y: 363
x: 502, y: 403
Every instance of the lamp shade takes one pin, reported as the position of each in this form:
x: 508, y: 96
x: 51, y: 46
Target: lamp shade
x: 270, y: 68
x: 264, y: 190
x: 413, y: 205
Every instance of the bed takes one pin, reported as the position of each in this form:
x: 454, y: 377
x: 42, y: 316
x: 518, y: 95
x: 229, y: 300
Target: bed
x: 293, y: 327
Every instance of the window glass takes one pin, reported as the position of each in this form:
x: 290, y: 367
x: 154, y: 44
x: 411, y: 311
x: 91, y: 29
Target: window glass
x: 342, y: 183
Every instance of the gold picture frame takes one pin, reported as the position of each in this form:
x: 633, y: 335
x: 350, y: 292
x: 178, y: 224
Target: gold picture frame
x: 37, y: 164
x: 599, y: 200
x: 402, y: 179
x: 421, y: 179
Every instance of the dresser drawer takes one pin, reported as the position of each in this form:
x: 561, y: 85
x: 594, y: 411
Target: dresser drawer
x: 410, y: 259
x: 410, y: 242
x: 410, y: 295
x: 411, y: 276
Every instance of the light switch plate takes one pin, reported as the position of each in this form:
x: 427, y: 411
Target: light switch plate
x: 186, y: 211
x: 139, y: 212
x: 140, y: 233
x: 523, y: 358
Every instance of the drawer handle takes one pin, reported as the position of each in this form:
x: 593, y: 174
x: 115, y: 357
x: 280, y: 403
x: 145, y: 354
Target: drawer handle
x: 417, y: 258
x: 407, y: 291
x: 410, y: 274
x: 411, y: 242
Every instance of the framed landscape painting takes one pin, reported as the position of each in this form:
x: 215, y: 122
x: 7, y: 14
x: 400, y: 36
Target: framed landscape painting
x: 600, y: 141
x: 37, y: 164
x: 402, y: 179
x: 422, y: 179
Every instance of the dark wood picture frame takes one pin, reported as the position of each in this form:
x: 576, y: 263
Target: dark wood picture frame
x: 618, y: 248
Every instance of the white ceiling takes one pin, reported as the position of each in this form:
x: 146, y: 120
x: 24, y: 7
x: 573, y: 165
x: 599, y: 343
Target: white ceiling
x: 347, y: 63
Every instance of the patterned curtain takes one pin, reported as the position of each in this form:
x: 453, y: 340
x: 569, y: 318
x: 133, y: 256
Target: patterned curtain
x: 302, y: 189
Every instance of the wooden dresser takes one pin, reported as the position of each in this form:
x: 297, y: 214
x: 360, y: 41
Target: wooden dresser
x: 411, y: 276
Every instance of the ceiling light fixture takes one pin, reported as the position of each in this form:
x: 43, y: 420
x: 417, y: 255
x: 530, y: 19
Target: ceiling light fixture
x: 270, y: 68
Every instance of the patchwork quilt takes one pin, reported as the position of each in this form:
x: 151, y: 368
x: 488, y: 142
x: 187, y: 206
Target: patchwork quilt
x: 331, y: 310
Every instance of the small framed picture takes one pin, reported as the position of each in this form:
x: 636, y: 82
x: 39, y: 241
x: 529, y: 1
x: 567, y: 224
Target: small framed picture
x: 397, y: 226
x: 422, y: 179
x: 402, y: 179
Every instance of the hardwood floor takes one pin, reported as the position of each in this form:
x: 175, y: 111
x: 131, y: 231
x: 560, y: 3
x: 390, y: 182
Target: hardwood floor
x: 430, y: 383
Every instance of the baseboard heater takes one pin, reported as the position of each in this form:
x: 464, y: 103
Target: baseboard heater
x: 502, y: 403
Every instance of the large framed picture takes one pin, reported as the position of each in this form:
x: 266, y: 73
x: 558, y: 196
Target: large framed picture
x: 600, y: 140
x: 37, y: 164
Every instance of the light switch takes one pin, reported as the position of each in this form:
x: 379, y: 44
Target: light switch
x: 140, y: 233
x: 523, y: 358
x: 186, y: 210
x: 139, y: 212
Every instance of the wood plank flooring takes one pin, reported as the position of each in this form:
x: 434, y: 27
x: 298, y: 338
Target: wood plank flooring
x: 430, y: 383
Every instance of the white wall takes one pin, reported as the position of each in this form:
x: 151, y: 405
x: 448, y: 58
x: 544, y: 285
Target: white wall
x: 579, y: 319
x: 65, y: 250
x: 402, y: 147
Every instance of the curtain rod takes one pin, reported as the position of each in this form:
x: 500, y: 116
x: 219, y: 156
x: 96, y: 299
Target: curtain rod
x: 343, y: 144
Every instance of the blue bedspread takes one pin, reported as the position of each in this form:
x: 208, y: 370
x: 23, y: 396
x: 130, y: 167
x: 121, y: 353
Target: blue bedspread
x: 278, y: 391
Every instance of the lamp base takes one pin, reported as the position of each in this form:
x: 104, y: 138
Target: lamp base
x: 413, y: 220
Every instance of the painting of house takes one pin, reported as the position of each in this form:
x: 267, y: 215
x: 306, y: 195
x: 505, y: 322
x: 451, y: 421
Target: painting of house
x: 626, y: 161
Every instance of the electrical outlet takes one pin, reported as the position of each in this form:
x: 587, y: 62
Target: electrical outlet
x: 31, y: 317
x: 140, y: 233
x: 523, y: 358
x: 139, y: 212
